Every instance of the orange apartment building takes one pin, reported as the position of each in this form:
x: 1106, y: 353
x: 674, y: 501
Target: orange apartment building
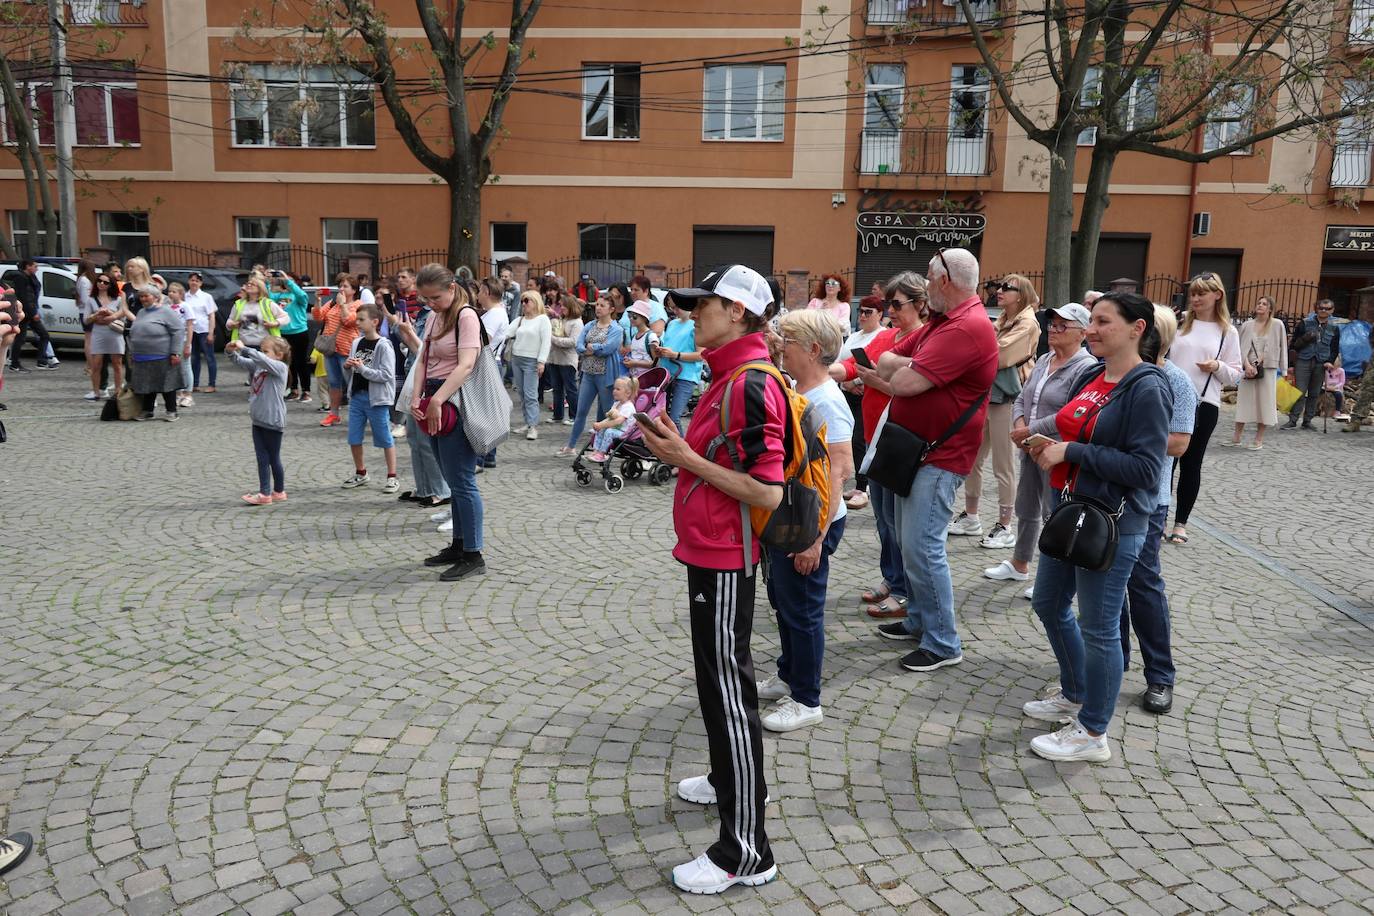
x: 684, y: 136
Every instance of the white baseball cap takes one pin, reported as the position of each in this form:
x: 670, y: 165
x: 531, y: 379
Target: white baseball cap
x: 736, y: 283
x: 1075, y: 313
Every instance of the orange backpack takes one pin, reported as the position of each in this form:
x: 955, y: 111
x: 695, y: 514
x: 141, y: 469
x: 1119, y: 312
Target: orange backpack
x: 800, y: 517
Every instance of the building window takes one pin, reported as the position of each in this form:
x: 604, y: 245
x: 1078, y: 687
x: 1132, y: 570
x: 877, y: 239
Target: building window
x: 1229, y: 118
x: 106, y: 102
x: 30, y: 243
x: 264, y: 240
x: 125, y: 233
x: 610, y: 101
x: 509, y: 240
x: 1362, y: 22
x: 607, y: 250
x: 277, y: 106
x: 1136, y: 108
x: 343, y: 237
x: 745, y: 102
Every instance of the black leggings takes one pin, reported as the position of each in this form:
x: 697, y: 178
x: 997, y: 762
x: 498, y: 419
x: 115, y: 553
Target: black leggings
x: 1189, y: 464
x: 300, y: 375
x: 169, y: 401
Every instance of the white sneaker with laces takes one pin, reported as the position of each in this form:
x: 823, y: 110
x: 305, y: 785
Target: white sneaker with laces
x: 702, y: 876
x: 773, y: 688
x: 14, y: 849
x: 788, y: 715
x: 1004, y: 570
x: 1055, y: 707
x: 392, y: 485
x: 1030, y: 593
x: 966, y: 525
x: 398, y: 431
x: 441, y: 515
x: 92, y: 395
x: 446, y: 526
x: 1072, y: 742
x: 532, y: 434
x: 699, y: 791
x: 355, y: 480
x: 998, y: 538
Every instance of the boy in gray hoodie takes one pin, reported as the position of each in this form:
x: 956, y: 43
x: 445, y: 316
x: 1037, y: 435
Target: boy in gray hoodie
x: 370, y: 379
x: 267, y: 370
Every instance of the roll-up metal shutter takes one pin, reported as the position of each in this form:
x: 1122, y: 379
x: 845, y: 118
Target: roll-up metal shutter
x: 714, y: 247
x: 885, y: 260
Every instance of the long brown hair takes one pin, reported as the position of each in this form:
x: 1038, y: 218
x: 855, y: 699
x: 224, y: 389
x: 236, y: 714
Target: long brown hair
x: 437, y: 276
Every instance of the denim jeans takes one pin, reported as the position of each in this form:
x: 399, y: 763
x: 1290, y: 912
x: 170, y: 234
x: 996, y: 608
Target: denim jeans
x: 459, y: 462
x: 334, y: 371
x: 922, y: 522
x: 203, y: 347
x: 564, y: 390
x: 678, y: 396
x: 589, y: 391
x: 799, y: 602
x: 527, y: 383
x: 362, y: 413
x: 424, y: 464
x: 1146, y: 609
x: 884, y: 503
x: 1088, y: 646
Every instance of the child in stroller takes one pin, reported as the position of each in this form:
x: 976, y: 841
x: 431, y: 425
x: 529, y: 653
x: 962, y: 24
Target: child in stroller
x: 635, y: 458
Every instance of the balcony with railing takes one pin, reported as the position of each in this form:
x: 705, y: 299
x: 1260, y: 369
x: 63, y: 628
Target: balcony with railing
x: 1350, y: 164
x: 956, y: 157
x: 886, y: 13
x: 108, y: 13
x: 1362, y: 24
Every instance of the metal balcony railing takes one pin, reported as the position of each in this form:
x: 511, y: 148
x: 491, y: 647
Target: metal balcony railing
x: 1350, y: 164
x: 1362, y: 23
x: 931, y: 12
x: 926, y: 151
x: 107, y: 12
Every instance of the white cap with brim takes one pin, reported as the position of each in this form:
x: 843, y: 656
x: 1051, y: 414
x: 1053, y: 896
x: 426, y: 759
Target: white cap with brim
x: 1075, y: 313
x: 733, y: 284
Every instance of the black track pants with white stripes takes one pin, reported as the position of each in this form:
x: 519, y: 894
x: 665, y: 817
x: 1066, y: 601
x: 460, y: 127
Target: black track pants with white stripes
x: 722, y: 622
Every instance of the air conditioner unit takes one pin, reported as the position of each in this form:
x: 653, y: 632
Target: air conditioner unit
x: 1202, y: 224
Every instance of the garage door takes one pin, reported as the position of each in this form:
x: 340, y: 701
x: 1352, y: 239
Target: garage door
x: 714, y: 247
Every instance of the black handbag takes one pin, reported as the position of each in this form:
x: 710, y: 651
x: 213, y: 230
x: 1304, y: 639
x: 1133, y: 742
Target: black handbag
x: 899, y: 453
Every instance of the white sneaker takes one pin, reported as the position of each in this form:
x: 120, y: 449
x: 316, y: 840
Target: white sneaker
x: 398, y: 431
x: 92, y: 395
x: 392, y: 485
x: 441, y: 515
x: 699, y: 791
x: 14, y: 849
x: 1030, y: 593
x: 702, y: 876
x: 107, y: 393
x: 1055, y: 707
x: 966, y: 525
x: 1005, y: 570
x: 532, y: 434
x: 773, y: 688
x: 355, y: 480
x: 446, y: 526
x: 567, y: 421
x: 1072, y: 742
x: 789, y: 715
x: 999, y: 537
x: 522, y: 429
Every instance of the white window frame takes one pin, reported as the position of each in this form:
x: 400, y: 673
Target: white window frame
x: 1092, y: 94
x: 102, y: 234
x: 591, y: 71
x: 873, y: 90
x: 240, y: 238
x: 1362, y: 22
x: 1219, y: 133
x: 270, y: 76
x: 17, y: 230
x: 727, y: 103
x: 30, y: 97
x: 373, y: 245
x: 505, y: 254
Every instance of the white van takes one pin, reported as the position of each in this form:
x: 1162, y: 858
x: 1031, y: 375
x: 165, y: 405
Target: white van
x: 57, y: 303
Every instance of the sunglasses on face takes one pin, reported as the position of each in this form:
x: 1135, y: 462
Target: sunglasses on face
x: 832, y: 282
x: 867, y: 311
x: 897, y: 304
x: 1006, y: 288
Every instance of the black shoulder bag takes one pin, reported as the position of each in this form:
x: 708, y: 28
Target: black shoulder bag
x: 1082, y: 530
x: 899, y: 453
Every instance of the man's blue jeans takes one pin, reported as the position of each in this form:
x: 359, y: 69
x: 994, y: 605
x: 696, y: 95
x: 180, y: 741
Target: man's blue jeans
x: 1146, y: 609
x: 799, y: 602
x: 884, y: 503
x: 922, y: 523
x: 1087, y: 646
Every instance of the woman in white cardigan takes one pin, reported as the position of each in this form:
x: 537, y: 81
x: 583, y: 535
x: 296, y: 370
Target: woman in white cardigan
x: 528, y: 341
x: 1264, y: 358
x: 1208, y: 350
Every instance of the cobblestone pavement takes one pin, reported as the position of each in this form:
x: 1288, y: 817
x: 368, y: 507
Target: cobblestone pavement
x: 211, y: 708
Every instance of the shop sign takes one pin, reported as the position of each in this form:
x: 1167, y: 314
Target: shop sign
x: 1350, y: 238
x: 910, y: 228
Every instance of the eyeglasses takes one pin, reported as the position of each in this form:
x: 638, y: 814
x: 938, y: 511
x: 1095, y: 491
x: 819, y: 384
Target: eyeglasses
x: 1326, y: 308
x: 832, y: 282
x: 1059, y: 326
x: 897, y: 304
x: 866, y: 310
x: 943, y: 263
x: 1006, y: 288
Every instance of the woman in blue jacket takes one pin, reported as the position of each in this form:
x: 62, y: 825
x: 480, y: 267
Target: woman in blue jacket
x: 296, y: 332
x: 1115, y: 430
x: 598, y: 348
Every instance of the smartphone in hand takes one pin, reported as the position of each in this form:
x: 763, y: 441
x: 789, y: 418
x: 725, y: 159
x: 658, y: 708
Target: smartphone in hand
x: 861, y: 357
x: 1035, y: 440
x: 643, y: 418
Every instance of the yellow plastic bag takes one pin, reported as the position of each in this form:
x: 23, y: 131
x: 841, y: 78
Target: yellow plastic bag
x: 1286, y: 394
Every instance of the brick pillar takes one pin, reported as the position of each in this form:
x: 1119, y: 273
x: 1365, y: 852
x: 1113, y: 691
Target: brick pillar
x: 227, y: 258
x: 657, y: 274
x: 99, y: 255
x: 798, y: 290
x: 519, y: 270
x: 362, y: 262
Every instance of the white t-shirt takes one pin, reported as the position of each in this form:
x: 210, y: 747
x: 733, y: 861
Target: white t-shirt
x: 201, y: 305
x: 496, y: 323
x: 625, y: 409
x: 365, y: 296
x: 839, y: 422
x: 857, y: 341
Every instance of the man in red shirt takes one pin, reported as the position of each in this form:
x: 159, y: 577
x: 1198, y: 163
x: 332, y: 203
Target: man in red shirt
x: 937, y: 374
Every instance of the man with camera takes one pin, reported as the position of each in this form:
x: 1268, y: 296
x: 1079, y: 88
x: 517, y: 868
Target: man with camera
x: 1316, y: 344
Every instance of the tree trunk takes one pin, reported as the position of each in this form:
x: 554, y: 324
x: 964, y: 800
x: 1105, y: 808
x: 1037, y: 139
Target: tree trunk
x: 1096, y: 200
x: 464, y: 224
x: 1059, y: 228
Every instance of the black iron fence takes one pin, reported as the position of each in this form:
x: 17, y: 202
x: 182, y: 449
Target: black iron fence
x: 178, y: 254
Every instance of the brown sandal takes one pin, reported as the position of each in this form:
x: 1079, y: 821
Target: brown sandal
x: 875, y: 595
x: 889, y: 608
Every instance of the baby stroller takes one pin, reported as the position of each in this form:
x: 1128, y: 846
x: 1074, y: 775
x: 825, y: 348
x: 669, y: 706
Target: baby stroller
x: 634, y: 456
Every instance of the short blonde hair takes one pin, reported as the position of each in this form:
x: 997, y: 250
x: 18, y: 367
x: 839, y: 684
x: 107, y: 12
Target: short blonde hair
x: 535, y: 295
x: 631, y: 384
x: 276, y: 348
x: 1029, y: 298
x: 814, y: 326
x: 1167, y: 325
